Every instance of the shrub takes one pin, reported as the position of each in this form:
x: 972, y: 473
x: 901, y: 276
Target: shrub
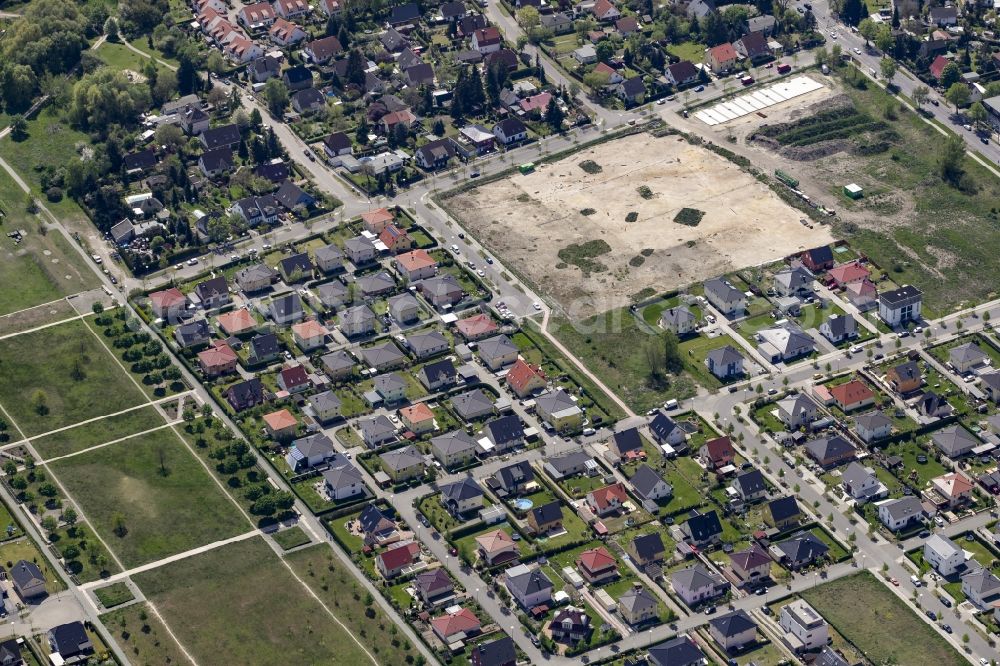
x: 591, y: 167
x: 690, y: 217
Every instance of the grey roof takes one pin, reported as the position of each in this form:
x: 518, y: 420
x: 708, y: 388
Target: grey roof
x: 325, y: 400
x: 496, y: 347
x: 695, y: 577
x: 569, y: 461
x: 980, y: 580
x: 376, y: 283
x: 357, y: 314
x: 471, y: 402
x: 453, y: 442
x: 904, y: 507
x: 338, y: 360
x: 842, y: 325
x: 648, y: 545
x: 829, y: 657
x: 256, y: 272
x: 796, y: 403
x: 440, y: 285
x: 783, y: 508
x: 382, y: 354
x: 628, y: 440
x: 805, y: 546
x: 297, y: 262
x: 433, y: 579
x: 829, y: 447
x: 644, y: 480
x: 194, y: 331
x: 702, y: 526
x: 376, y: 427
x: 505, y: 429
x: 872, y: 420
x: 899, y: 296
x: 722, y: 289
x: 26, y: 573
x: 358, y: 244
x: 637, y: 599
x: 750, y: 482
x: 516, y: 474
x: 314, y: 445
x: 528, y: 582
x: 758, y: 23
x: 547, y: 513
x: 461, y: 490
x: 389, y: 382
x: 908, y: 370
x: 733, y: 624
x: 794, y: 279
x: 555, y: 401
x: 402, y: 458
x: 723, y: 356
x: 492, y: 653
x: 286, y: 306
x: 662, y: 426
x: 967, y: 353
x: 343, y: 477
x: 679, y: 651
x: 677, y: 316
x: 328, y: 253
x: 991, y: 380
x: 443, y: 370
x: 426, y: 341
x: 856, y: 474
x: 399, y: 301
x: 265, y: 345
x: 955, y: 440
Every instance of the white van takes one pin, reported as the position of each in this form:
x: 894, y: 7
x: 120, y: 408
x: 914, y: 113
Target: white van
x: 670, y: 404
x: 916, y: 581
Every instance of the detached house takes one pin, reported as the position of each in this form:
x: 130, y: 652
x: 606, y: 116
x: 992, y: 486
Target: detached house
x: 830, y: 451
x: 545, y: 518
x: 245, y: 395
x: 753, y: 46
x: 702, y: 529
x: 728, y: 300
x: 597, y: 565
x: 487, y: 40
x: 852, y: 395
x: 721, y: 58
x: 751, y: 566
x: 873, y: 426
x: 454, y: 449
x: 725, y: 363
x: 717, y: 453
x: 524, y: 379
x: 861, y: 483
x: 606, y: 500
x: 681, y: 73
x: 899, y: 514
x: 697, y: 584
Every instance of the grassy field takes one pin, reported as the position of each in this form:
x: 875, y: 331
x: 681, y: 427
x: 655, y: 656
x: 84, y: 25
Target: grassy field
x: 336, y: 586
x: 879, y: 623
x: 52, y: 143
x: 115, y: 594
x: 240, y: 601
x: 71, y: 372
x: 98, y: 432
x: 44, y: 267
x: 25, y: 549
x: 293, y: 537
x: 943, y: 245
x: 120, y: 57
x: 612, y: 346
x: 168, y: 501
x: 143, y: 636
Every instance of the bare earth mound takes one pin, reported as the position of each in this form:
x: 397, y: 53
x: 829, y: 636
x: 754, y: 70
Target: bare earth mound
x: 528, y: 220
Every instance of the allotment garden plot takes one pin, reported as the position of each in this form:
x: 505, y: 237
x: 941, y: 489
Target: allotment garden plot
x: 638, y: 213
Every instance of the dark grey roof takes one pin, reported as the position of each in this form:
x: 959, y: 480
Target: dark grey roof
x: 829, y: 657
x: 433, y: 580
x: 900, y: 295
x: 372, y: 516
x: 628, y: 440
x: 227, y: 135
x: 384, y: 353
x: 26, y: 573
x: 291, y: 195
x: 820, y: 255
x: 402, y: 458
x: 547, y: 513
x: 529, y: 582
x: 496, y: 347
x: 338, y: 360
x: 648, y: 546
x: 732, y: 624
x: 750, y: 482
x: 723, y: 356
x: 516, y: 474
x: 703, y: 526
x: 376, y: 283
x: 295, y: 262
x: 297, y: 74
x: 662, y: 425
x: 288, y: 305
x: 338, y: 141
x: 265, y: 345
x: 274, y: 172
x: 679, y: 651
x: 143, y: 159
x: 308, y: 98
x: 212, y: 288
x: 325, y: 400
x: 404, y: 13
x: 495, y: 653
x: 343, y: 476
x: 842, y: 325
x: 505, y: 429
x: 829, y: 447
x: 71, y: 639
x: 443, y: 370
x: 194, y: 331
x: 471, y: 402
x: 783, y: 508
x: 426, y: 341
x: 461, y: 490
x: 316, y: 444
x: 872, y: 420
x: 803, y: 547
x: 511, y: 126
x: 644, y: 480
x: 219, y: 158
x: 569, y: 461
x: 453, y: 442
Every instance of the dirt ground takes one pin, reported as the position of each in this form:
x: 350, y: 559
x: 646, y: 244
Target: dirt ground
x: 527, y: 220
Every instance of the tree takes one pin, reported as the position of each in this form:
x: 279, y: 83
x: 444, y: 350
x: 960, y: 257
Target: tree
x: 977, y: 113
x: 852, y: 11
x: 883, y: 37
x: 18, y: 128
x: 958, y: 94
x: 821, y: 56
x: 17, y: 87
x: 950, y: 75
x: 950, y: 160
x: 69, y: 516
x: 554, y: 115
x: 888, y: 67
x: 868, y: 28
x: 50, y: 524
x: 276, y: 96
x: 187, y: 75
x: 39, y: 403
x: 920, y: 95
x: 528, y: 17
x: 355, y: 72
x: 118, y: 524
x: 672, y: 353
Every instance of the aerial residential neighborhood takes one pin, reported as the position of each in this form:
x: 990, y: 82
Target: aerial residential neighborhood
x: 499, y: 332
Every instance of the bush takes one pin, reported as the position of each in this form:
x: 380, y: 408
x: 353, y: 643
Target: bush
x: 54, y: 194
x: 591, y: 167
x: 690, y: 217
x: 645, y: 192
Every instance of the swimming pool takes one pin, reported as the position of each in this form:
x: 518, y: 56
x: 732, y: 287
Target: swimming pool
x: 523, y: 504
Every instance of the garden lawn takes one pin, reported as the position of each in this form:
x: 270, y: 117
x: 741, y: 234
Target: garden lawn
x: 168, y: 501
x: 113, y: 595
x: 43, y: 361
x: 98, y: 432
x: 25, y: 549
x: 879, y: 623
x: 143, y: 636
x: 293, y: 537
x: 119, y: 57
x: 240, y: 601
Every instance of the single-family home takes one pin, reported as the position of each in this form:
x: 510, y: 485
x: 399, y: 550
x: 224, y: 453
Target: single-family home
x: 524, y: 379
x: 434, y: 587
x: 338, y: 365
x: 796, y: 410
x: 462, y: 497
x: 376, y: 430
x: 326, y: 406
x: 753, y: 46
x: 782, y: 512
x: 455, y: 626
x: 478, y: 327
x: 309, y: 334
x: 280, y: 424
x: 697, y: 584
x: 545, y: 518
x: 499, y: 652
x: 607, y: 499
x: 733, y: 631
x: 967, y: 357
x: 678, y: 319
x: 680, y: 650
x: 391, y: 387
x: 638, y: 605
x: 438, y: 375
x: 286, y: 309
x: 905, y: 377
x: 510, y: 131
x: 726, y: 298
x: 649, y: 485
x: 397, y: 559
x: 597, y: 565
x: 310, y: 451
x: 403, y: 464
x: 504, y: 433
x: 472, y: 405
x: 955, y: 441
x: 570, y: 625
x: 360, y: 250
x: 168, y: 304
x: 193, y: 333
x: 802, y: 549
x: 804, y: 628
x: 70, y: 642
x: 559, y: 410
x: 454, y: 449
x: 872, y: 426
x: 839, y: 328
x: 255, y: 278
x: 415, y: 265
x: 750, y: 485
x: 899, y: 514
x: 647, y: 549
x: 528, y: 586
x: 784, y: 342
x: 665, y: 430
x: 357, y: 321
x: 702, y: 529
x: 955, y: 488
x: 717, y: 453
x: 218, y: 359
x: 27, y: 579
x: 499, y: 351
x: 263, y: 348
x: 751, y: 566
x: 443, y: 291
x: 795, y: 281
x: 980, y: 587
x: 213, y: 293
x: 514, y: 479
x: 681, y: 73
x: 830, y: 451
x: 943, y: 554
x: 417, y: 418
x: 496, y: 547
x: 818, y: 258
x: 320, y: 51
x: 722, y: 58
x: 725, y: 363
x: 861, y: 483
x: 852, y: 395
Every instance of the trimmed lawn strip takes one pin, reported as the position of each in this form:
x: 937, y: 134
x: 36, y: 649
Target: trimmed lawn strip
x: 113, y: 595
x: 240, y: 601
x: 73, y: 369
x: 879, y: 623
x: 168, y: 502
x: 293, y: 537
x: 106, y: 430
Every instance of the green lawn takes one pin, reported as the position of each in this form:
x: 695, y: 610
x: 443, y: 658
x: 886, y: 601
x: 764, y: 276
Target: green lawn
x: 120, y: 57
x: 922, y: 473
x: 25, y: 549
x: 113, y: 595
x: 879, y: 623
x: 240, y: 601
x: 68, y: 377
x: 143, y: 636
x: 52, y: 143
x: 695, y: 350
x: 688, y: 51
x: 98, y: 432
x: 168, y: 502
x: 293, y: 537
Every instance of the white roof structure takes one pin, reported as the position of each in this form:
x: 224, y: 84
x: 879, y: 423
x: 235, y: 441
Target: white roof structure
x: 753, y: 102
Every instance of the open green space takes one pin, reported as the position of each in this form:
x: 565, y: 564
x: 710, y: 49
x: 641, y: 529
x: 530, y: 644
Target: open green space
x: 9, y: 527
x: 59, y: 376
x: 239, y: 600
x: 944, y: 243
x: 879, y: 623
x: 335, y: 584
x: 143, y: 636
x: 94, y: 433
x: 293, y: 537
x: 120, y: 57
x: 113, y: 595
x: 149, y: 497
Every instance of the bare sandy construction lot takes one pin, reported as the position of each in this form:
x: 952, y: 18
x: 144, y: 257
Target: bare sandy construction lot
x: 527, y: 220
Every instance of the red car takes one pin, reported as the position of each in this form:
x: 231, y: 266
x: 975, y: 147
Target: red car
x: 894, y: 581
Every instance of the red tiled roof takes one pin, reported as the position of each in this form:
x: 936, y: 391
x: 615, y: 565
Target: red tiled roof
x: 417, y: 413
x: 218, y: 355
x: 719, y: 448
x: 490, y: 35
x: 605, y: 68
x: 475, y: 326
x: 455, y: 623
x: 309, y: 329
x: 601, y: 497
x: 937, y: 67
x: 597, y: 560
x: 376, y: 217
x: 399, y: 556
x: 495, y: 541
x: 167, y: 298
x: 852, y: 392
x: 280, y: 420
x: 723, y: 52
x: 539, y: 102
x: 521, y: 373
x: 237, y: 321
x: 415, y: 260
x: 391, y: 234
x: 602, y: 7
x: 849, y: 272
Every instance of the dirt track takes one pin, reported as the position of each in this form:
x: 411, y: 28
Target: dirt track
x: 526, y: 220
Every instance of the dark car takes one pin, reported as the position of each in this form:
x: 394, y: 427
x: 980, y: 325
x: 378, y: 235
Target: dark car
x: 710, y: 610
x: 945, y: 602
x: 924, y: 534
x: 946, y: 627
x: 932, y: 615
